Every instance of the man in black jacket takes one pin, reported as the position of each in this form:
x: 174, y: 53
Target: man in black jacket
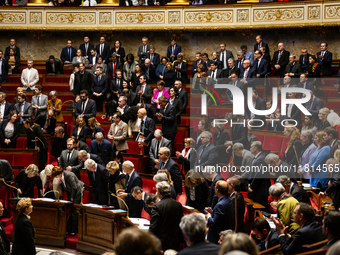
x: 211, y: 175
x: 82, y: 80
x: 86, y: 107
x: 182, y: 94
x: 147, y: 129
x: 234, y: 186
x: 47, y: 122
x: 334, y: 188
x: 330, y: 227
x: 6, y: 172
x: 181, y: 69
x: 331, y: 136
x: 269, y: 237
x: 254, y: 119
x: 54, y: 66
x: 167, y: 117
x: 59, y: 142
x: 280, y: 60
x: 138, y: 194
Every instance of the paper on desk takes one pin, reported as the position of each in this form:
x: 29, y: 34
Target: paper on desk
x: 117, y: 210
x: 44, y: 199
x: 93, y: 205
x: 189, y: 207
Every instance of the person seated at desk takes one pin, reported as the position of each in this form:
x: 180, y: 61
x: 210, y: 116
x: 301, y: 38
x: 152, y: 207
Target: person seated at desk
x: 9, y: 131
x: 269, y: 237
x: 80, y: 130
x: 26, y: 179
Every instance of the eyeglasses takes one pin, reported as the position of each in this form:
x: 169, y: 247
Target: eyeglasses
x: 202, y: 137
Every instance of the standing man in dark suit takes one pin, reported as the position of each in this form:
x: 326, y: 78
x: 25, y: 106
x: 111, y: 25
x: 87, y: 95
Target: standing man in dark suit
x: 149, y: 70
x: 142, y: 50
x: 181, y: 69
x: 293, y: 189
x: 3, y: 67
x: 24, y: 109
x: 260, y: 65
x: 102, y: 148
x: 211, y: 175
x: 103, y: 49
x: 99, y: 178
x: 113, y: 66
x: 12, y: 44
x: 234, y: 186
x: 82, y: 80
x: 331, y: 136
x: 240, y: 59
x: 147, y: 129
x: 222, y: 217
x: 173, y: 50
x: 293, y: 69
x: 86, y: 48
x: 54, y: 66
x: 153, y: 56
x: 304, y: 59
x: 313, y: 106
x: 198, y: 61
x: 260, y: 104
x: 68, y: 53
x: 69, y: 159
x: 87, y: 107
x: 144, y: 90
x: 325, y: 59
x: 6, y: 106
x: 280, y: 60
x: 182, y: 94
x: 248, y: 75
x: 6, y: 172
x: 165, y: 218
x: 93, y: 57
x: 156, y: 143
x: 259, y: 43
x: 196, y: 240
x: 304, y: 83
x: 207, y: 154
x: 98, y: 88
x: 132, y: 180
x: 224, y: 55
x: 268, y: 236
x: 4, y: 242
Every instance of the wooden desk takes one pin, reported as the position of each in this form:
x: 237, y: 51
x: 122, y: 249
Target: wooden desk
x: 49, y: 220
x: 98, y: 229
x: 256, y: 205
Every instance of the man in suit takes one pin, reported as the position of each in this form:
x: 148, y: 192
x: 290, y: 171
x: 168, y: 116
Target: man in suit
x: 166, y: 162
x: 98, y: 88
x: 304, y: 83
x: 214, y: 58
x: 153, y: 56
x: 234, y: 186
x: 103, y: 49
x: 102, y: 148
x: 268, y: 236
x: 214, y: 73
x: 260, y: 43
x: 309, y: 233
x: 207, y: 154
x: 182, y: 94
x: 99, y: 178
x: 123, y: 108
x: 167, y: 117
x: 93, y: 57
x: 68, y: 53
x: 12, y: 45
x: 242, y: 157
x: 331, y: 136
x: 304, y: 59
x: 181, y: 69
x: 330, y: 228
x: 211, y: 175
x: 247, y: 54
x: 173, y: 50
x: 86, y: 48
x: 156, y: 143
x: 260, y: 104
x: 5, y: 107
x: 198, y: 61
x: 118, y: 133
x: 293, y: 189
x: 115, y: 84
x: 59, y: 142
x: 82, y: 80
x: 274, y: 161
x: 196, y: 240
x: 235, y: 82
x: 138, y: 194
x: 39, y: 102
x: 240, y: 59
x: 3, y: 68
x: 231, y: 69
x: 280, y: 60
x: 132, y: 180
x: 147, y: 129
x: 83, y: 155
x: 4, y: 241
x: 86, y: 107
x: 325, y: 59
x: 69, y: 159
x: 165, y: 218
x: 206, y: 61
x: 293, y: 69
x: 258, y: 182
x: 144, y: 90
x: 313, y: 106
x: 24, y: 109
x: 224, y: 55
x: 222, y: 216
x: 6, y: 172
x: 132, y: 98
x: 142, y: 50
x: 54, y: 66
x: 29, y: 77
x: 266, y: 56
x: 248, y: 75
x: 47, y: 122
x: 113, y: 66
x: 260, y: 65
x: 149, y: 70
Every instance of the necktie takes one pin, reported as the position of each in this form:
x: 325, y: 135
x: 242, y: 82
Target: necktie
x: 118, y: 82
x: 144, y: 49
x: 278, y: 57
x: 223, y: 60
x: 101, y: 49
x: 142, y: 127
x: 38, y: 101
x: 127, y: 181
x: 239, y: 65
x: 83, y: 107
x: 161, y: 165
x: 86, y: 45
x: 245, y: 74
x: 213, y: 75
x: 173, y: 50
x: 99, y: 77
x: 199, y: 158
x: 151, y: 58
x: 94, y: 176
x: 68, y: 157
x: 69, y: 53
x: 157, y: 148
x: 114, y: 69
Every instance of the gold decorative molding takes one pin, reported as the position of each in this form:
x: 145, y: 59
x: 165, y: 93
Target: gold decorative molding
x: 243, y: 15
x: 174, y: 17
x: 208, y: 17
x: 332, y: 12
x: 38, y: 33
x: 108, y: 35
x: 248, y: 33
x: 105, y: 18
x: 178, y: 33
x: 12, y: 18
x: 321, y: 31
x: 75, y: 18
x: 313, y: 12
x: 141, y: 17
x: 36, y: 18
x: 284, y: 14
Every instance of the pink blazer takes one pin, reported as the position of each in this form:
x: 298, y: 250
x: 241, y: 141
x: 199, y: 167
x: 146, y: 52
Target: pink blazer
x: 165, y: 93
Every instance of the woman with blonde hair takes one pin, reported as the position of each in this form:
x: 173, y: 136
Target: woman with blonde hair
x: 49, y: 183
x: 95, y: 127
x: 26, y: 179
x: 23, y: 243
x: 197, y: 79
x: 337, y: 155
x: 188, y: 155
x: 167, y: 174
x: 116, y: 182
x: 196, y: 190
x: 294, y: 145
x: 333, y: 119
x: 323, y: 123
x: 80, y: 130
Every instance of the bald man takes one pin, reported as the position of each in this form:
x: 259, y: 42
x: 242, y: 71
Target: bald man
x: 147, y: 128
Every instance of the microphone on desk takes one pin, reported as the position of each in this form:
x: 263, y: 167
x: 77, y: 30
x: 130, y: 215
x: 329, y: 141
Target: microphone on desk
x: 127, y: 208
x: 12, y: 187
x: 52, y: 191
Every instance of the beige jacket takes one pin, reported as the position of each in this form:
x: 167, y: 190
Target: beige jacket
x: 120, y: 136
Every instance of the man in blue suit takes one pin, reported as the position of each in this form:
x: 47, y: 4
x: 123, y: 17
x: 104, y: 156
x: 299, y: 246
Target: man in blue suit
x: 247, y: 74
x: 12, y: 45
x: 99, y: 178
x: 8, y: 106
x: 99, y: 87
x: 132, y: 180
x: 260, y: 65
x: 207, y: 154
x: 3, y: 67
x: 68, y: 53
x: 222, y: 217
x: 173, y: 50
x: 325, y: 60
x: 247, y: 54
x: 93, y: 57
x: 153, y: 56
x: 101, y: 147
x: 313, y: 106
x: 304, y: 83
x: 103, y: 49
x: 86, y: 48
x: 304, y: 59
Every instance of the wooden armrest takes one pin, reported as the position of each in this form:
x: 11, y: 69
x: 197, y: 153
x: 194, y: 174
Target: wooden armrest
x: 273, y: 250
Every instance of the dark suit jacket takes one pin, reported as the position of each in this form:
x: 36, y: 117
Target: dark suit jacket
x: 263, y: 44
x: 148, y: 129
x: 6, y: 171
x: 326, y: 63
x: 240, y: 135
x: 73, y: 186
x: 165, y: 218
x: 201, y: 248
x: 17, y: 49
x: 334, y: 190
x: 24, y: 236
x: 239, y: 64
x: 5, y: 241
x: 16, y: 65
x: 135, y: 206
x: 251, y: 76
x: 27, y: 184
x: 228, y: 54
x: 240, y: 210
x: 179, y: 109
x: 209, y: 157
x: 316, y: 104
x: 143, y: 54
x: 173, y: 168
x: 74, y: 162
x: 218, y: 62
x: 261, y: 69
x: 147, y: 93
x: 64, y: 56
x: 145, y: 207
x: 169, y: 78
x: 217, y: 71
x: 299, y: 193
x: 99, y: 86
x: 99, y: 184
x: 177, y: 50
x: 151, y: 111
x: 309, y: 85
x: 90, y: 110
x: 183, y: 70
x: 227, y: 72
x: 224, y: 136
x: 183, y: 95
x: 82, y: 81
x: 96, y: 159
x: 118, y: 66
x: 272, y: 240
x: 156, y: 58
x: 107, y: 150
x: 309, y: 233
x: 304, y: 65
x: 4, y: 69
x: 295, y: 115
x: 284, y: 60
x: 296, y: 69
x: 212, y: 198
x: 153, y: 147
x: 259, y: 182
x: 16, y: 133
x: 82, y: 47
x: 84, y: 132
x: 152, y: 73
x: 41, y: 119
x: 106, y: 52
x: 189, y: 162
x: 133, y: 99
x: 291, y: 156
x: 222, y: 218
x: 169, y: 124
x: 58, y: 67
x: 201, y: 195
x: 260, y: 105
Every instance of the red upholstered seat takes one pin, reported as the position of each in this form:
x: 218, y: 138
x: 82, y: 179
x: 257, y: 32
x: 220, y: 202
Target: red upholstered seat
x: 180, y: 136
x: 3, y: 196
x: 7, y: 156
x: 21, y: 142
x: 106, y: 129
x: 68, y: 119
x: 272, y: 143
x: 15, y: 172
x: 149, y: 186
x: 259, y: 137
x: 333, y: 105
x: 135, y: 161
x: 134, y: 148
x: 145, y: 215
x: 22, y: 159
x: 84, y: 177
x: 88, y: 142
x: 86, y: 197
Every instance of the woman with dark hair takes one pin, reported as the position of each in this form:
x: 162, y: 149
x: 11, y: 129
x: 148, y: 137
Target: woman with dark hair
x: 119, y: 50
x: 95, y: 127
x: 177, y: 103
x: 161, y: 69
x: 310, y: 124
x: 9, y: 131
x: 13, y: 61
x: 313, y: 70
x: 80, y: 130
x: 125, y: 85
x: 110, y: 107
x: 170, y: 76
x: 135, y: 77
x: 133, y: 120
x: 129, y: 67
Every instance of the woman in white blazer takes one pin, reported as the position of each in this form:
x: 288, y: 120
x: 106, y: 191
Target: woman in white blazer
x: 49, y: 184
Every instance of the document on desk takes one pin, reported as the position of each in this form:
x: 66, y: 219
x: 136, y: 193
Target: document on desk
x: 143, y: 224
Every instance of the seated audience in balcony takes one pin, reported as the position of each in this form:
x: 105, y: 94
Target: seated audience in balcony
x: 293, y: 69
x: 9, y: 131
x: 29, y: 77
x: 26, y: 179
x: 12, y: 44
x: 90, y: 3
x: 324, y: 58
x: 59, y: 142
x: 55, y: 104
x: 54, y: 66
x: 103, y: 49
x: 78, y: 58
x: 153, y: 56
x: 49, y: 183
x: 313, y: 70
x: 13, y: 61
x: 116, y: 182
x: 308, y: 148
x: 94, y: 127
x: 110, y: 107
x: 280, y: 60
x: 309, y: 124
x: 114, y: 66
x: 47, y: 122
x: 101, y: 64
x: 268, y: 236
x: 323, y: 123
x: 80, y: 130
x: 39, y: 102
x: 304, y: 59
x: 73, y: 77
x: 68, y: 53
x: 129, y: 66
x: 19, y: 90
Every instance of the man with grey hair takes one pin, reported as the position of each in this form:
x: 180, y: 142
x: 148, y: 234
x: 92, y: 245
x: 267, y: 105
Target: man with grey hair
x: 165, y: 218
x: 166, y: 162
x: 133, y: 179
x: 83, y: 155
x: 308, y: 148
x: 59, y: 142
x: 207, y: 154
x: 194, y: 229
x: 123, y: 107
x: 118, y: 133
x: 102, y: 148
x: 156, y: 143
x: 142, y: 50
x: 182, y: 94
x: 162, y: 177
x: 278, y: 166
x: 293, y: 189
x: 47, y: 122
x: 293, y: 69
x: 246, y: 157
x: 99, y: 178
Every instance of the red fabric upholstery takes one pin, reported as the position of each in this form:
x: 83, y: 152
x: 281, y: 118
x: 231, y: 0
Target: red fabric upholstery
x: 135, y: 161
x: 272, y: 143
x: 149, y: 186
x: 134, y: 148
x: 285, y: 141
x: 259, y: 137
x: 145, y: 215
x: 84, y: 177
